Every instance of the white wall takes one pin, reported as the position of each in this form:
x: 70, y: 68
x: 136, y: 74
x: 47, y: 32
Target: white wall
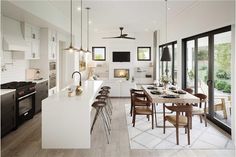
x: 144, y: 39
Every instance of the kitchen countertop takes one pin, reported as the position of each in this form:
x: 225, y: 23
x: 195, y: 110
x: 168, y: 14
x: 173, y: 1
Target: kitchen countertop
x: 5, y: 91
x: 66, y: 120
x: 38, y: 81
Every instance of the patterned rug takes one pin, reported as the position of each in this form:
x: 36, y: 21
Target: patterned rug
x: 143, y: 137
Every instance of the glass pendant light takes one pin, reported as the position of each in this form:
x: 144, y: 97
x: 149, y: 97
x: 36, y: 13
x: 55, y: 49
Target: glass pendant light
x: 88, y: 51
x: 166, y: 52
x: 71, y: 48
x: 81, y: 28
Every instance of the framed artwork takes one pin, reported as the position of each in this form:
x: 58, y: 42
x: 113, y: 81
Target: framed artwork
x: 99, y: 53
x: 82, y: 61
x: 144, y: 53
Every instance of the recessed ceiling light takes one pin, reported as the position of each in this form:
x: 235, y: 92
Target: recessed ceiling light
x: 79, y: 8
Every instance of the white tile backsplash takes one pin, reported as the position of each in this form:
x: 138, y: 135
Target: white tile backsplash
x: 15, y: 71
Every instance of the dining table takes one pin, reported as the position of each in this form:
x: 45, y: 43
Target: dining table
x: 158, y: 95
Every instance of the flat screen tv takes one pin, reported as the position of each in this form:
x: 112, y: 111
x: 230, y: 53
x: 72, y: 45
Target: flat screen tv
x: 121, y: 57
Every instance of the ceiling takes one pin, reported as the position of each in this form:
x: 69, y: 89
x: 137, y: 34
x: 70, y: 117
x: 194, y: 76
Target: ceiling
x: 134, y: 15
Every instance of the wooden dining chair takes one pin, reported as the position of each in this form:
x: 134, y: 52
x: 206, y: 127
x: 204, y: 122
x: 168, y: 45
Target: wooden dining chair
x: 142, y: 107
x: 200, y: 110
x: 179, y: 120
x: 189, y: 90
x: 139, y: 93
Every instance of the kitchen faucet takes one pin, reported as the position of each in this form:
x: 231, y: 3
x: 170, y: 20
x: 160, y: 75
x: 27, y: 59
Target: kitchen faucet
x: 79, y: 77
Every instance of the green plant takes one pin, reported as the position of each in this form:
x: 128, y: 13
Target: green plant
x: 227, y: 88
x: 220, y: 85
x: 203, y: 68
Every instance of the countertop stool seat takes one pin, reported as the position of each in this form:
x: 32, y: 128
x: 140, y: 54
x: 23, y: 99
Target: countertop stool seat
x: 107, y: 108
x: 107, y: 92
x: 99, y: 106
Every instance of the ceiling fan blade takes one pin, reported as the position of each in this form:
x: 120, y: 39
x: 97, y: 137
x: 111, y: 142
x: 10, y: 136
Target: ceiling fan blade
x: 111, y: 37
x: 129, y: 38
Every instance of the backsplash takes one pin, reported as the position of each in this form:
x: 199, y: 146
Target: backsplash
x: 16, y: 70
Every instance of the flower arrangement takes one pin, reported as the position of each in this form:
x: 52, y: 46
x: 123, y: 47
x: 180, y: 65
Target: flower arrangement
x: 165, y: 79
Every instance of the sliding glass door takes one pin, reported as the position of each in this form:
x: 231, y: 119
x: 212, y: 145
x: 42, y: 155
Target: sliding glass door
x: 207, y: 70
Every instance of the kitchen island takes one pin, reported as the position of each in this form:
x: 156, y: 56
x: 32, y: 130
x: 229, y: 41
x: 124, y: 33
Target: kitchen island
x: 66, y: 120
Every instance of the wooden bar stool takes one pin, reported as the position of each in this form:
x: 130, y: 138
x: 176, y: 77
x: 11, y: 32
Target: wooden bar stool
x: 99, y: 105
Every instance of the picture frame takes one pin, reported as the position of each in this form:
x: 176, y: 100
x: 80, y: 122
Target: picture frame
x: 144, y: 53
x: 99, y: 53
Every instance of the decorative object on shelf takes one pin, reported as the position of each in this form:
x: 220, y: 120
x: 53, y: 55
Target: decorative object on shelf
x: 71, y: 48
x: 166, y: 53
x: 165, y: 80
x: 144, y: 53
x: 88, y: 51
x: 122, y: 36
x: 99, y: 53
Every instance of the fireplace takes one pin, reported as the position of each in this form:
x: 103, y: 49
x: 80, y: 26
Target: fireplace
x: 121, y: 73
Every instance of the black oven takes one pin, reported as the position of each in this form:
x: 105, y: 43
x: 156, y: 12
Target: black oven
x: 25, y: 108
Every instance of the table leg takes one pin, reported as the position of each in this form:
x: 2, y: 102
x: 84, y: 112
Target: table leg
x: 155, y: 113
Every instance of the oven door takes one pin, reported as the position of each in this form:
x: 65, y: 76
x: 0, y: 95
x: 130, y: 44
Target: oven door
x: 25, y: 108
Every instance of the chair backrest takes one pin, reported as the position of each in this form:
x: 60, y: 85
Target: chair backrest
x: 135, y: 91
x: 140, y: 102
x: 189, y: 90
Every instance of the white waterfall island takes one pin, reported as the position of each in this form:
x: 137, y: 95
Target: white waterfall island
x: 66, y: 120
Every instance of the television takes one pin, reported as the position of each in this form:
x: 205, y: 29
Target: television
x: 121, y: 56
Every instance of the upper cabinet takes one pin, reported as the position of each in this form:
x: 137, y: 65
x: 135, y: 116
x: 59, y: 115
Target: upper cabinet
x: 32, y: 37
x: 52, y: 45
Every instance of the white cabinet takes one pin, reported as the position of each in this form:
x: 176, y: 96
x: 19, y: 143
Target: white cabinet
x: 120, y: 88
x: 143, y: 75
x: 52, y: 46
x: 32, y: 38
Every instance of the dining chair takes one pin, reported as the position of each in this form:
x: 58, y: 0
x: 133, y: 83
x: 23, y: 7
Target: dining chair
x: 200, y: 110
x: 178, y: 120
x: 139, y: 93
x: 142, y: 107
x: 189, y: 90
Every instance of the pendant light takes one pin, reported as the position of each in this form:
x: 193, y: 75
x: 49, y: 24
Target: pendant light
x: 81, y: 28
x: 71, y: 48
x: 88, y: 30
x: 166, y: 53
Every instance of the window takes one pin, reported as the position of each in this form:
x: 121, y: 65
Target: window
x: 144, y: 53
x: 169, y: 68
x: 99, y: 53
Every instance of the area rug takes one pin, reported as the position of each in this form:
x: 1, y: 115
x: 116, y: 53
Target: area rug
x: 142, y: 136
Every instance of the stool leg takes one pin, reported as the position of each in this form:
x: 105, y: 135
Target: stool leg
x: 105, y: 129
x: 94, y: 120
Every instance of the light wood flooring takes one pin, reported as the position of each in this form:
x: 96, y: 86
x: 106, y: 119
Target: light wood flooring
x: 26, y: 142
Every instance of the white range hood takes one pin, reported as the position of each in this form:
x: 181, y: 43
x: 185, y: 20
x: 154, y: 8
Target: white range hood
x: 13, y: 39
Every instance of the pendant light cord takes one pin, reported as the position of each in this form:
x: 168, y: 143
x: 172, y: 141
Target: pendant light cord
x: 71, y: 22
x: 166, y: 21
x: 81, y: 16
x: 87, y: 29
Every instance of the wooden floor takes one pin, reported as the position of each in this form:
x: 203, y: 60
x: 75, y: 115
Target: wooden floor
x: 26, y: 142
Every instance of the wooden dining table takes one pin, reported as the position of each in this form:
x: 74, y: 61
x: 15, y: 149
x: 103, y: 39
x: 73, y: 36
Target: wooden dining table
x: 184, y: 98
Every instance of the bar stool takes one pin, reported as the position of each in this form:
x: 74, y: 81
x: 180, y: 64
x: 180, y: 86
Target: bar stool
x: 107, y: 92
x: 108, y: 113
x: 99, y: 105
x: 106, y: 87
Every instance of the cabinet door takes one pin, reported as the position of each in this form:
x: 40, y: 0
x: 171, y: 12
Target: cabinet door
x: 28, y: 52
x: 8, y: 115
x: 35, y: 49
x: 35, y: 33
x: 41, y: 93
x: 52, y: 50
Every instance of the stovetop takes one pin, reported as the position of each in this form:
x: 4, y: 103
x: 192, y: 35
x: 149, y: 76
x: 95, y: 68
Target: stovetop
x: 16, y: 85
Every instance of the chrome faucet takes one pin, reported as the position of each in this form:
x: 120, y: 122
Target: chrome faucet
x: 79, y: 76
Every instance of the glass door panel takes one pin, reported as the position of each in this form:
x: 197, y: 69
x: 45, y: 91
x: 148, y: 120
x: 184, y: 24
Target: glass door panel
x: 175, y: 64
x: 190, y: 64
x: 222, y: 77
x: 202, y: 68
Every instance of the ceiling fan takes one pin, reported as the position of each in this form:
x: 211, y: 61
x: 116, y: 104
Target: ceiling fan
x: 122, y: 36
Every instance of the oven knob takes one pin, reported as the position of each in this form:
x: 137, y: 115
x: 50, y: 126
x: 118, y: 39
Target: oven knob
x: 21, y: 93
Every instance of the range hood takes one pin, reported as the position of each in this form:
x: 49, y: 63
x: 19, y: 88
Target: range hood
x: 11, y: 43
x: 13, y: 39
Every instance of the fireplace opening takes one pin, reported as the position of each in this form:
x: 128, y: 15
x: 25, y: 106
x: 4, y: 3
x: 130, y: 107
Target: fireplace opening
x: 121, y: 73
